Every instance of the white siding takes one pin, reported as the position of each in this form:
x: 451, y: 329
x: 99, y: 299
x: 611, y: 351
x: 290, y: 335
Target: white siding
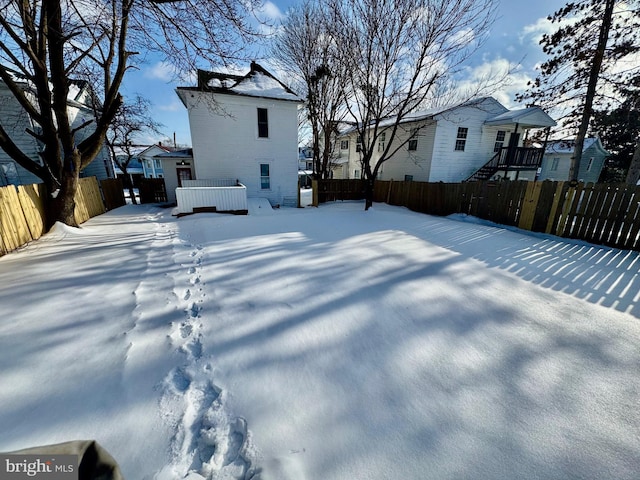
x: 561, y: 173
x: 15, y: 120
x: 225, y: 199
x: 416, y: 163
x: 226, y: 145
x: 449, y: 165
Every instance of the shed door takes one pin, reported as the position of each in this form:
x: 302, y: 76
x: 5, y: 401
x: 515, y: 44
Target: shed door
x: 183, y: 174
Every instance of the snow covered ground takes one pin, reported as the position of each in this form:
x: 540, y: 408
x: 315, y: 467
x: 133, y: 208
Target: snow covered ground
x: 326, y: 343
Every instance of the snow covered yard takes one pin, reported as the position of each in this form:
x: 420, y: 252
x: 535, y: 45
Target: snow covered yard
x: 327, y: 343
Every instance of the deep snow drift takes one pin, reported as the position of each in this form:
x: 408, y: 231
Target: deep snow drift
x: 327, y: 343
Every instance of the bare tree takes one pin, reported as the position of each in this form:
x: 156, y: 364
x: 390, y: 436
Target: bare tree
x: 131, y: 120
x: 49, y: 43
x: 399, y: 53
x: 305, y: 46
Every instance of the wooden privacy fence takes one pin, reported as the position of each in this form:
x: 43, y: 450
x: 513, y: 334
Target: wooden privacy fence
x: 113, y: 193
x: 22, y: 214
x: 606, y: 214
x: 152, y: 190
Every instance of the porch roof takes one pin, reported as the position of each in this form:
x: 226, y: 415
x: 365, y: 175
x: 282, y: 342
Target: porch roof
x: 185, y: 153
x: 530, y: 117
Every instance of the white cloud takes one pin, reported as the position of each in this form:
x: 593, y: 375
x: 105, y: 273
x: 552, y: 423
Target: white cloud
x: 271, y: 11
x: 161, y: 71
x: 171, y: 107
x: 535, y: 30
x: 498, y: 78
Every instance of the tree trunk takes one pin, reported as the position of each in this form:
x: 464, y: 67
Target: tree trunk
x: 368, y: 193
x: 594, y: 74
x: 129, y: 180
x: 633, y: 174
x: 62, y: 207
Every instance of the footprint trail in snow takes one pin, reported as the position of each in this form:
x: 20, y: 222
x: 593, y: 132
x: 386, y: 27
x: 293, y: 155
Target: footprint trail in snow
x: 208, y: 442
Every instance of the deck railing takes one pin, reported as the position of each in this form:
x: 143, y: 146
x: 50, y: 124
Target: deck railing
x: 230, y: 198
x: 523, y: 157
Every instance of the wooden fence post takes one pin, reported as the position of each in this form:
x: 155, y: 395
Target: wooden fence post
x: 314, y: 188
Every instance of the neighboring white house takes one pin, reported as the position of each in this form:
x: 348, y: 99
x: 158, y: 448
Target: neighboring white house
x: 245, y: 128
x: 453, y: 144
x: 557, y: 160
x: 15, y: 121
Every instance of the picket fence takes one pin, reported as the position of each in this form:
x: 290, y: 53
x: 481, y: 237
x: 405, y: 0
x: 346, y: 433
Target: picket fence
x: 605, y: 214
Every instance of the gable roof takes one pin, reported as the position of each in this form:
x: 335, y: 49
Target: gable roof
x: 75, y: 92
x: 257, y: 83
x: 569, y: 146
x: 485, y: 103
x: 533, y: 117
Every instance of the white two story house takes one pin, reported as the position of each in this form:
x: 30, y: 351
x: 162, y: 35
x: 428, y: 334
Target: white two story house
x: 478, y: 139
x: 245, y: 127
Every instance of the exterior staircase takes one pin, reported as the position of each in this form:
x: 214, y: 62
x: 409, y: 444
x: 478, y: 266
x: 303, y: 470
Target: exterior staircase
x: 509, y: 159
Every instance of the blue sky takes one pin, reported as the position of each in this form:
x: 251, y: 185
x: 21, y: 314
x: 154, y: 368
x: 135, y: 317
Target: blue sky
x: 513, y: 40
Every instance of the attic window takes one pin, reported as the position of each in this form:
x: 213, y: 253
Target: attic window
x: 263, y: 123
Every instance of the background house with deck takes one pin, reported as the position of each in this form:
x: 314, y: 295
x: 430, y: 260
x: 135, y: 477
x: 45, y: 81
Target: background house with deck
x: 16, y: 121
x: 244, y: 128
x: 557, y: 160
x: 475, y: 140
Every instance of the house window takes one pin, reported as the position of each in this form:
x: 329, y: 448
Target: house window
x: 344, y: 145
x: 381, y: 141
x: 359, y: 144
x: 356, y: 174
x: 413, y: 140
x: 265, y: 178
x: 554, y: 164
x: 263, y: 123
x: 499, y: 140
x: 157, y: 164
x: 590, y: 164
x: 461, y: 139
x: 408, y: 178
